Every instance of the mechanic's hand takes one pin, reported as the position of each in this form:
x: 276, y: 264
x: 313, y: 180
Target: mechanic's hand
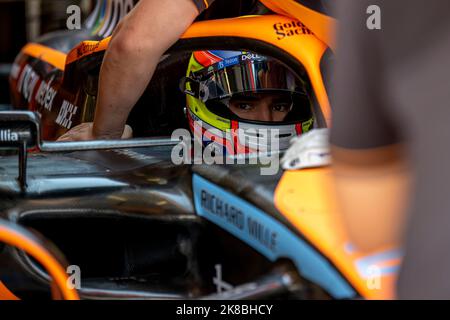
x: 84, y: 132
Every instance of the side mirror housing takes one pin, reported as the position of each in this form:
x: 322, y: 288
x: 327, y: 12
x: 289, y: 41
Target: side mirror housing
x: 19, y: 130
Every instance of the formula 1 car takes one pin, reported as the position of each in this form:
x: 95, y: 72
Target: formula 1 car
x: 136, y: 226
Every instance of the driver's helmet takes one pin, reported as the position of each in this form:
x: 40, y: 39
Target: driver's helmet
x: 231, y: 90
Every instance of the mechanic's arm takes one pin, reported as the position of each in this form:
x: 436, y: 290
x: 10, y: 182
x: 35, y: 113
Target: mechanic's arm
x: 130, y: 61
x: 372, y: 187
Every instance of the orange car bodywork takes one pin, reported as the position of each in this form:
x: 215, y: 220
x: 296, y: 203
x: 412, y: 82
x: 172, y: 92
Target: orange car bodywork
x: 307, y: 199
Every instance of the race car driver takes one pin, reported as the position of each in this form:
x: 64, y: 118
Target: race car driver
x: 231, y: 90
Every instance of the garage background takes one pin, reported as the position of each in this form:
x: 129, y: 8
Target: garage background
x: 22, y: 21
x: 25, y: 20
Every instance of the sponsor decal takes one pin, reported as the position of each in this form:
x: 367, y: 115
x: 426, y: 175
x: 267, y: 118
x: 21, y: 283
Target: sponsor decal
x: 8, y: 136
x: 27, y: 82
x: 66, y: 114
x: 250, y: 56
x: 289, y: 29
x: 253, y: 227
x: 265, y: 234
x: 236, y: 60
x: 228, y: 62
x: 85, y: 48
x: 222, y: 209
x: 45, y: 95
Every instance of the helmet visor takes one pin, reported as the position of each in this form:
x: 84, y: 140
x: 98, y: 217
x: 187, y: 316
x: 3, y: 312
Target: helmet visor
x: 219, y: 81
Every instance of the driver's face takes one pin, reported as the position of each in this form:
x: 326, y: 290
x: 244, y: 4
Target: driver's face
x: 261, y: 106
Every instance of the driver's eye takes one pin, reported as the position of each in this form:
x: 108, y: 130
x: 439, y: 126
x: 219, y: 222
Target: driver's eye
x: 282, y: 107
x: 245, y: 106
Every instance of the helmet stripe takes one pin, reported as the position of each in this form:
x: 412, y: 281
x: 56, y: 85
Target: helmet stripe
x: 298, y: 128
x: 205, y: 58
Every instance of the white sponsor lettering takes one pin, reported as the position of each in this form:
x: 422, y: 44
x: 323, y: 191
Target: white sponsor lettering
x: 8, y: 136
x: 27, y: 82
x: 45, y: 95
x: 250, y: 56
x: 66, y: 114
